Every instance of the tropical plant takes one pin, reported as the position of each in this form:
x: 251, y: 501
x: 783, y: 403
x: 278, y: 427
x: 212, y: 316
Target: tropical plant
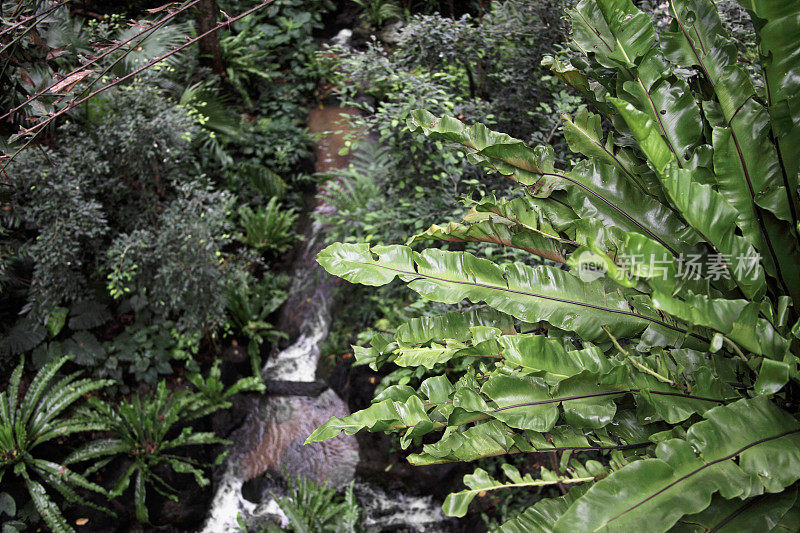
x: 312, y: 507
x: 35, y: 419
x: 213, y: 391
x: 660, y: 363
x: 249, y: 308
x: 269, y: 227
x: 144, y: 430
x: 376, y: 12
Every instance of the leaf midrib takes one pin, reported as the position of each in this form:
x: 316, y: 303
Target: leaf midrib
x: 534, y: 295
x: 696, y: 471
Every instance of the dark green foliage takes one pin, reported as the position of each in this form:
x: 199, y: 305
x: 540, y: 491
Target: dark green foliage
x: 39, y: 417
x: 666, y: 391
x: 123, y: 201
x: 213, y: 392
x: 500, y: 55
x: 177, y: 266
x: 8, y: 507
x: 269, y: 228
x: 144, y: 430
x: 311, y: 507
x: 249, y: 308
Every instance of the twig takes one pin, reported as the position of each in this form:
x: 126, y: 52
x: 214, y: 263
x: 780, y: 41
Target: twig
x: 637, y: 364
x: 38, y: 127
x: 110, y: 50
x: 32, y: 17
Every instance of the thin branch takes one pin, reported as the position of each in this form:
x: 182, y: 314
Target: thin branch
x: 32, y: 17
x: 38, y: 127
x: 110, y: 50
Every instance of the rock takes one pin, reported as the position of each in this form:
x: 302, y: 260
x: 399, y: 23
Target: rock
x: 271, y: 440
x: 391, y: 33
x: 343, y: 37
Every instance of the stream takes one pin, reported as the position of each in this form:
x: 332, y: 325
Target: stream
x: 272, y: 435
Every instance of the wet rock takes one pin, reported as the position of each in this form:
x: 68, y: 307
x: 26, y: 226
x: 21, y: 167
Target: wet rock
x: 392, y: 33
x: 271, y: 440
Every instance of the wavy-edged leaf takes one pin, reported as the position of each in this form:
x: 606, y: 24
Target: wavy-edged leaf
x: 614, y: 31
x: 513, y: 396
x: 537, y: 353
x: 530, y: 294
x: 454, y: 325
x: 777, y: 24
x: 760, y: 513
x: 88, y: 314
x: 657, y: 492
x: 540, y: 517
x: 584, y: 135
x: 712, y: 217
x: 737, y: 319
x: 483, y: 227
x: 456, y: 504
x: 596, y: 189
x: 498, y: 151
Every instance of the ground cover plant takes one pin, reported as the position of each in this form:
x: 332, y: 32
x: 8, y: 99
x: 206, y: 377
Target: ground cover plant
x: 658, y: 359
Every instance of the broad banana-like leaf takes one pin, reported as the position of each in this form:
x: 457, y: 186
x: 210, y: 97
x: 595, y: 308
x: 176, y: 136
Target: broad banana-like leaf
x: 777, y: 25
x: 760, y: 513
x: 658, y: 491
x: 530, y: 294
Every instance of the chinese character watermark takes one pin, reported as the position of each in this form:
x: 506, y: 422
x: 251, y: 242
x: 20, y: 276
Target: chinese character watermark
x: 713, y: 267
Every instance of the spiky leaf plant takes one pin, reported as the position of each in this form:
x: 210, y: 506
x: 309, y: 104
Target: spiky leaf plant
x: 268, y: 228
x: 37, y: 418
x: 144, y: 429
x: 660, y: 289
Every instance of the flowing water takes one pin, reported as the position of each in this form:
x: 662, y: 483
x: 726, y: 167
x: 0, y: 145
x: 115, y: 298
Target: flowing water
x: 271, y: 438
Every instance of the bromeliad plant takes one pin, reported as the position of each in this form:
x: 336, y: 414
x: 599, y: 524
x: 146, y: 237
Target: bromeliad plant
x: 142, y: 429
x: 662, y: 367
x: 37, y: 419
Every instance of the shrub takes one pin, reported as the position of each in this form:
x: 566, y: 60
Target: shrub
x: 660, y: 361
x: 121, y: 195
x: 500, y: 55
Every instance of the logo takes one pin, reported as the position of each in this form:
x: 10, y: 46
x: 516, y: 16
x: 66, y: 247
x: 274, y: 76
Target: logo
x: 589, y: 267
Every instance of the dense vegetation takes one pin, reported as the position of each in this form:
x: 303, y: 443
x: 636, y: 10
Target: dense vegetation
x: 650, y: 342
x: 608, y: 329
